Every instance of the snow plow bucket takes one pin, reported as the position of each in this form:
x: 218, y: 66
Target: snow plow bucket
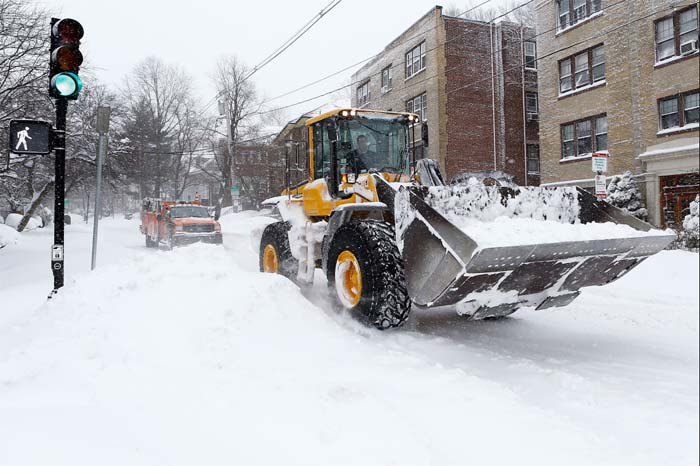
x: 445, y: 266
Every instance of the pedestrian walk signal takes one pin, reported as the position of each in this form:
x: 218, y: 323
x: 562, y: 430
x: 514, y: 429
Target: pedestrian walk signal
x: 30, y: 137
x: 66, y: 59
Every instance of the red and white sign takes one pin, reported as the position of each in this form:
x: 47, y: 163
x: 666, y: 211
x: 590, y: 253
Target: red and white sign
x: 600, y: 162
x: 601, y: 188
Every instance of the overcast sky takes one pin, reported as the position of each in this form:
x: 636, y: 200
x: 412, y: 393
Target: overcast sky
x: 194, y: 34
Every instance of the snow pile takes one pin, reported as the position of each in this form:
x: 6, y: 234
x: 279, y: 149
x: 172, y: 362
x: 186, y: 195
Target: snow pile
x: 13, y: 220
x: 7, y: 235
x: 505, y: 231
x: 623, y: 193
x: 532, y: 216
x: 485, y: 203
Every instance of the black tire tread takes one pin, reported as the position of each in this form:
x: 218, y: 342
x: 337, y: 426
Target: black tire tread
x: 277, y: 235
x: 387, y: 304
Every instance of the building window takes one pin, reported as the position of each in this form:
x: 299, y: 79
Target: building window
x: 564, y: 76
x: 586, y: 65
x: 530, y: 55
x: 691, y: 108
x: 577, y: 138
x: 386, y: 79
x: 533, y: 159
x: 670, y: 115
x: 531, y: 103
x: 419, y: 106
x: 415, y: 60
x: 571, y: 12
x: 363, y: 94
x: 674, y: 31
x: 601, y: 133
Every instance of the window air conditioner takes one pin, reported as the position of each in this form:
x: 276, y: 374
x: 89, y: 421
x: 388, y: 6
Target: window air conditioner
x: 689, y: 47
x: 532, y: 116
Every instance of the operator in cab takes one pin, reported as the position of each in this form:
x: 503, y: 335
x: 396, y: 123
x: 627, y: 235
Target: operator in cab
x: 366, y: 159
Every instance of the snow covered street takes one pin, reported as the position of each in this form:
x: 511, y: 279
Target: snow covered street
x: 193, y: 357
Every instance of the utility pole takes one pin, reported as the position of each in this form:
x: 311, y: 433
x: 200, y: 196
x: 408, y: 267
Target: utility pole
x: 103, y: 114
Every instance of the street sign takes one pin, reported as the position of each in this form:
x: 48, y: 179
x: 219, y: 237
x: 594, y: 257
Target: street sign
x: 57, y: 252
x: 601, y: 189
x: 600, y: 162
x: 30, y: 137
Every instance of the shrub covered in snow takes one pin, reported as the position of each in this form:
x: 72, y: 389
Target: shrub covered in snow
x: 691, y: 226
x: 13, y: 221
x: 623, y: 193
x: 7, y: 235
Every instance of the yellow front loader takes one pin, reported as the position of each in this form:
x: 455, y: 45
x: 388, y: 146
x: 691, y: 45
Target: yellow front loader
x: 375, y: 220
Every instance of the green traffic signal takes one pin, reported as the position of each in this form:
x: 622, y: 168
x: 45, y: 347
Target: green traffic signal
x: 66, y: 84
x: 65, y: 58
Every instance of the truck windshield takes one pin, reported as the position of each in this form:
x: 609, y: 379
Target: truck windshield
x: 373, y: 143
x: 188, y: 211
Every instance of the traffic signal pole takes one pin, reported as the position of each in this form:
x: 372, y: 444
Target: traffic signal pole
x: 57, y: 264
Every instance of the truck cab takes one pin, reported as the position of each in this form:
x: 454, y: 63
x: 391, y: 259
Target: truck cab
x: 178, y: 223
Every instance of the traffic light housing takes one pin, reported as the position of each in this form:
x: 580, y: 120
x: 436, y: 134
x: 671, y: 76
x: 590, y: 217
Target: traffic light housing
x: 66, y: 59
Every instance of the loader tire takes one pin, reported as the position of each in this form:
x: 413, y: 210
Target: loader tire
x: 275, y: 254
x: 366, y: 275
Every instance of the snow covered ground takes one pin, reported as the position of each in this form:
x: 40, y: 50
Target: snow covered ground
x: 193, y: 357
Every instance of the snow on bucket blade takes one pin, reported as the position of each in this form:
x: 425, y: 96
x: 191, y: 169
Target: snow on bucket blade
x: 445, y: 266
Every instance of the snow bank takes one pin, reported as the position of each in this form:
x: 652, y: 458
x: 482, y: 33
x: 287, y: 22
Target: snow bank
x: 7, y: 235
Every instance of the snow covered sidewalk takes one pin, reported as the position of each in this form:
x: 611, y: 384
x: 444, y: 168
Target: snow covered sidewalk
x: 193, y: 357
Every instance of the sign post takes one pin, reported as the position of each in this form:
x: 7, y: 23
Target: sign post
x: 103, y: 114
x: 600, y: 167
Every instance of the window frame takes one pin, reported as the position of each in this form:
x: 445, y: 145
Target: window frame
x: 526, y: 55
x: 590, y: 7
x: 529, y: 158
x: 529, y: 95
x: 420, y: 58
x: 574, y: 71
x: 593, y: 136
x: 386, y: 74
x: 423, y: 112
x: 365, y: 99
x: 675, y: 18
x: 680, y: 110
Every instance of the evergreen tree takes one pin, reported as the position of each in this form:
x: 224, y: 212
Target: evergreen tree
x: 623, y: 193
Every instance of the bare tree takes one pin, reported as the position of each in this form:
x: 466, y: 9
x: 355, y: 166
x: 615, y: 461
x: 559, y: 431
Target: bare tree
x: 161, y: 91
x: 241, y: 107
x: 509, y: 10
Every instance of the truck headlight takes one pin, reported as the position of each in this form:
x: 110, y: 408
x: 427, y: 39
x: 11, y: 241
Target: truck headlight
x: 217, y: 228
x: 179, y: 228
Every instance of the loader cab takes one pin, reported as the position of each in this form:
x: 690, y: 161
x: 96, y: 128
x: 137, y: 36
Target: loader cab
x: 348, y: 143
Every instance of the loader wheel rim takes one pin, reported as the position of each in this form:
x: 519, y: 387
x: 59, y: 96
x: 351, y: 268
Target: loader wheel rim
x: 270, y: 260
x: 348, y: 279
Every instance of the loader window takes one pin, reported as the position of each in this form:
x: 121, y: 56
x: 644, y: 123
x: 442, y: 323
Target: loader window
x: 373, y: 144
x: 322, y: 151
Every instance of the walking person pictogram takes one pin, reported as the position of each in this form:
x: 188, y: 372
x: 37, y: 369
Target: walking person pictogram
x: 22, y: 137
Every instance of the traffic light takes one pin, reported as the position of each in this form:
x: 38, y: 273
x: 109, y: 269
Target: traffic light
x: 65, y: 59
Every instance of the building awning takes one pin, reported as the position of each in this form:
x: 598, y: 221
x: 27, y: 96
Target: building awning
x: 684, y: 147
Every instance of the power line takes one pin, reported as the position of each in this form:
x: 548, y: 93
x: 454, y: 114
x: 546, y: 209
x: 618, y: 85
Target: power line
x: 450, y: 69
x: 289, y: 42
x: 380, y: 53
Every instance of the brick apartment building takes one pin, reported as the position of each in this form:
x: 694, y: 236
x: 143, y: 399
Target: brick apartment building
x: 621, y: 76
x: 259, y: 173
x: 475, y: 83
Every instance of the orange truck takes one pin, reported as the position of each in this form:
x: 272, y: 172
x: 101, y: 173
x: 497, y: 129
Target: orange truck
x: 177, y: 223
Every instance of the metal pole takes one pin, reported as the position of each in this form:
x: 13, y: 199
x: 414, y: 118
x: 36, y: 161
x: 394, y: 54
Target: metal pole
x: 57, y: 265
x: 101, y: 153
x: 102, y: 129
